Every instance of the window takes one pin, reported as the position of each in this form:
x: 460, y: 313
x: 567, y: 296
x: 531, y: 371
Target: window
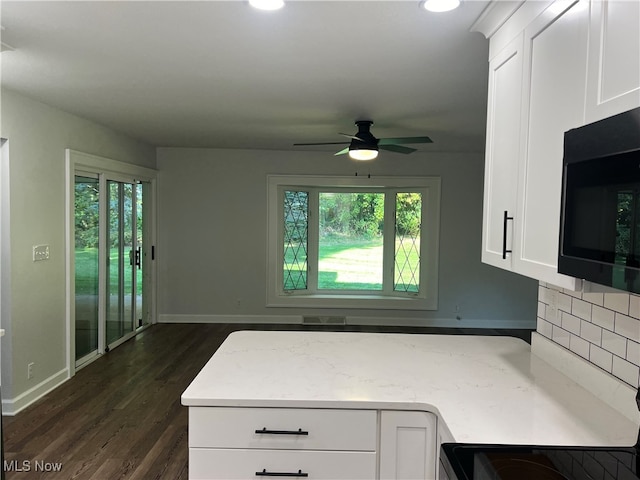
x: 353, y: 242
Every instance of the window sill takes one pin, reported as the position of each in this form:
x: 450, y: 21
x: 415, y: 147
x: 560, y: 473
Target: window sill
x: 375, y: 302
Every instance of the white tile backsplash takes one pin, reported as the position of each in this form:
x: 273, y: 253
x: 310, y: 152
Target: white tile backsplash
x: 601, y: 357
x: 581, y: 309
x: 618, y: 302
x: 634, y: 306
x: 603, y: 317
x: 633, y: 352
x: 560, y: 336
x: 594, y: 298
x: 614, y: 343
x: 627, y: 327
x: 579, y: 345
x: 604, y: 328
x: 571, y: 323
x: 591, y: 333
x: 544, y: 328
x: 627, y: 371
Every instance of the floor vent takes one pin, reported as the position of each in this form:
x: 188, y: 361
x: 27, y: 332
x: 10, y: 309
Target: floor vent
x: 324, y: 320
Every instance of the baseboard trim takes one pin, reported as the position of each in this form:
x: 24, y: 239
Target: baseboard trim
x: 177, y: 318
x: 353, y: 320
x: 15, y: 405
x: 441, y: 322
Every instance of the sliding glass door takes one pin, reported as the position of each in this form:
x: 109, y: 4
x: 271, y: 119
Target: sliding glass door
x: 111, y: 266
x: 87, y: 234
x: 123, y: 262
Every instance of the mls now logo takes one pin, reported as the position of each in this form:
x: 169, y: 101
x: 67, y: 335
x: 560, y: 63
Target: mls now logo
x: 31, y: 466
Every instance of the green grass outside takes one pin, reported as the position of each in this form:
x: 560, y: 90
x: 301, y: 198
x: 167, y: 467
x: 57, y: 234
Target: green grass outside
x: 355, y: 264
x: 344, y: 265
x: 86, y: 260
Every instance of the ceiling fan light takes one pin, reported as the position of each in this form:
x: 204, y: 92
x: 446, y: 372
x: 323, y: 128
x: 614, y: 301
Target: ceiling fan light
x: 267, y: 4
x: 363, y: 154
x: 440, y: 5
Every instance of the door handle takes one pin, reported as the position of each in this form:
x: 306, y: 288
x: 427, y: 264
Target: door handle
x: 504, y: 234
x: 139, y: 257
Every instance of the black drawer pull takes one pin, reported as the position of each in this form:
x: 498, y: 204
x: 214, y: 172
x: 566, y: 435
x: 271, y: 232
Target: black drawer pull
x: 505, y: 219
x: 264, y: 473
x: 264, y: 431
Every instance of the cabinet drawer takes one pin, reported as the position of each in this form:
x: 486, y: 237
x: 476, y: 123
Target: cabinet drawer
x: 282, y: 428
x: 225, y: 464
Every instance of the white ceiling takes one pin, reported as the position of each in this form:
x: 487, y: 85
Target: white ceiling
x: 221, y: 74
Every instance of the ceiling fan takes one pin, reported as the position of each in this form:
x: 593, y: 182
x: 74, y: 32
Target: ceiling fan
x: 364, y: 146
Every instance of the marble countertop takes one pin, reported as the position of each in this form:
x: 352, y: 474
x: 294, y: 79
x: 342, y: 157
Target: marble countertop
x: 485, y: 389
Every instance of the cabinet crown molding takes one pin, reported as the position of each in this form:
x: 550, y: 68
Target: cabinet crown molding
x: 496, y: 13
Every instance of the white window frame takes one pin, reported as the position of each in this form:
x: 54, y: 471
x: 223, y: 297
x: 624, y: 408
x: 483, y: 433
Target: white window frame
x: 426, y: 299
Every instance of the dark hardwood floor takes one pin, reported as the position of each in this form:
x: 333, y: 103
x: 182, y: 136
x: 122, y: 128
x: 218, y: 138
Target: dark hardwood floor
x: 121, y: 418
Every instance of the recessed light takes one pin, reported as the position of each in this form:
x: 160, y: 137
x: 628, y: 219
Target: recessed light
x: 440, y: 5
x: 267, y: 4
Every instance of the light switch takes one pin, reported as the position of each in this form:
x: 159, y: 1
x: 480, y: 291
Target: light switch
x: 40, y: 252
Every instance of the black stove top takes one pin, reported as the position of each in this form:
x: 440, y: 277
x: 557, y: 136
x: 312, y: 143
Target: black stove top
x: 509, y: 462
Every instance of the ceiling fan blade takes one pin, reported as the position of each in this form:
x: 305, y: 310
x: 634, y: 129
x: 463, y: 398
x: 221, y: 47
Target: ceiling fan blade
x: 401, y: 140
x: 397, y: 148
x: 342, y: 152
x: 324, y: 143
x: 353, y: 137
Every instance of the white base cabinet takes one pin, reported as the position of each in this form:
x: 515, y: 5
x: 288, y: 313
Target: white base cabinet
x: 253, y: 443
x: 228, y: 464
x: 408, y: 448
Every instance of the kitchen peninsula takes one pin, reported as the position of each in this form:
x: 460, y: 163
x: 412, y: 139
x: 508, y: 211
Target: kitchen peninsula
x: 359, y: 405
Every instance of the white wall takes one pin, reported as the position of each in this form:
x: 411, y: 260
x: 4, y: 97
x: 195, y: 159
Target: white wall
x: 34, y: 314
x: 212, y: 238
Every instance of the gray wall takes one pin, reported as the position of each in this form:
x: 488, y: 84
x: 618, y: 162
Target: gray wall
x: 212, y: 238
x: 33, y: 294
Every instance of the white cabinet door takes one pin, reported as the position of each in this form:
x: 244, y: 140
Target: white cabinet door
x: 407, y: 445
x: 501, y: 161
x: 613, y: 82
x: 555, y: 56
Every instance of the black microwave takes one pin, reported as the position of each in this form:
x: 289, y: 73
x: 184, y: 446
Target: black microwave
x: 600, y: 215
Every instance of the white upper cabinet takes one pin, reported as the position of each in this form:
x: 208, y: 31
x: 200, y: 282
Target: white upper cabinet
x: 553, y: 67
x: 503, y: 144
x: 613, y: 82
x: 555, y: 56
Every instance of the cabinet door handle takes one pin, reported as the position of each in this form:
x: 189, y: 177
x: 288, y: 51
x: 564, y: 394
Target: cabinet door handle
x: 265, y: 473
x: 504, y: 234
x: 264, y: 431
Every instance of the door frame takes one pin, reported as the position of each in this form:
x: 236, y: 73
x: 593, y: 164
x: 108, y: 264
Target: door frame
x: 77, y: 163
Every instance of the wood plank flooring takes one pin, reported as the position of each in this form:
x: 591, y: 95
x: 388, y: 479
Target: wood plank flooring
x: 121, y: 418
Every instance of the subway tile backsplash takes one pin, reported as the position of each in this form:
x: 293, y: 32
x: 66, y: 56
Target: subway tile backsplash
x: 603, y: 328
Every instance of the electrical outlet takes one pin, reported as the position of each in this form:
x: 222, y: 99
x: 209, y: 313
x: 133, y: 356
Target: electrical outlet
x: 30, y: 370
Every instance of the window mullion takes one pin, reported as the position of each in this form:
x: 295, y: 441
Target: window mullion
x: 312, y: 241
x: 388, y: 252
